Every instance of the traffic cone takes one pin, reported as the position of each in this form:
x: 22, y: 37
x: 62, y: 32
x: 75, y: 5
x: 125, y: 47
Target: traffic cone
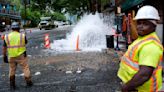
x: 77, y: 44
x: 47, y: 41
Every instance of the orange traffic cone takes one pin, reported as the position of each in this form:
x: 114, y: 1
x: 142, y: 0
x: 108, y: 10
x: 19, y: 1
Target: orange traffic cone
x: 77, y: 44
x: 47, y: 41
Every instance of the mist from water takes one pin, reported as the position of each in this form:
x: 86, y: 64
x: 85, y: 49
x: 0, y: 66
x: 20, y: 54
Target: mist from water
x: 92, y: 31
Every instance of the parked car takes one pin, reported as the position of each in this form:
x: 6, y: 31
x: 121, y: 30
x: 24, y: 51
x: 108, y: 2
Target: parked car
x: 46, y: 23
x: 61, y: 23
x: 58, y: 23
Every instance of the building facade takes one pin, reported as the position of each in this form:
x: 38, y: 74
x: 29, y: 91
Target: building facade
x: 8, y: 13
x: 132, y: 6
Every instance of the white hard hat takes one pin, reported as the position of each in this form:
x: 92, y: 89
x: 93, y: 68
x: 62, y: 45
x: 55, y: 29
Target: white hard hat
x: 147, y: 12
x: 15, y: 25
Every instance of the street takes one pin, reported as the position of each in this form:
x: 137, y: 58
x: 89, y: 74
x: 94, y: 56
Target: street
x: 64, y: 72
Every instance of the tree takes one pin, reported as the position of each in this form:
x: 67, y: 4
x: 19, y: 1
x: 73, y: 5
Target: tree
x: 37, y: 8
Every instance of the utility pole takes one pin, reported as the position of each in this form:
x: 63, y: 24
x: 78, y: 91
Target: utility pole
x: 25, y: 3
x: 117, y: 46
x: 118, y: 30
x: 25, y: 13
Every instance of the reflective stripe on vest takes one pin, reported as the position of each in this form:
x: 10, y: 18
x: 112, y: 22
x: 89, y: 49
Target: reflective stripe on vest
x: 16, y: 46
x: 154, y: 83
x: 135, y: 66
x: 130, y: 63
x: 132, y: 52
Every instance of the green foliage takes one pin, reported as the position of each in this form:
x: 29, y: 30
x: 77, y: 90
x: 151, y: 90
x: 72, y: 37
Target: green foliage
x: 37, y: 8
x: 17, y: 3
x: 58, y: 16
x: 33, y: 16
x: 55, y: 16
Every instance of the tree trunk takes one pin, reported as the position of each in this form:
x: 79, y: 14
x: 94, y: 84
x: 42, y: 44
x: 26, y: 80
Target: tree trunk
x: 99, y: 6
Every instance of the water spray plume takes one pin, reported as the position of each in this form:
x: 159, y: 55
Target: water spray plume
x: 92, y: 30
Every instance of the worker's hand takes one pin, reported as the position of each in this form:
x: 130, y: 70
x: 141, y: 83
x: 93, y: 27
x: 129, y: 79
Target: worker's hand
x: 124, y: 88
x: 120, y: 54
x: 5, y: 59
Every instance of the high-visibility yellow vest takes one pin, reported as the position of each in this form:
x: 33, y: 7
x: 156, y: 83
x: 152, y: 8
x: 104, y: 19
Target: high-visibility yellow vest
x: 129, y: 65
x: 15, y: 43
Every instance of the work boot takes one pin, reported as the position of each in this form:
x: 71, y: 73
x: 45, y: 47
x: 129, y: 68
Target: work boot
x: 28, y: 81
x: 12, y: 83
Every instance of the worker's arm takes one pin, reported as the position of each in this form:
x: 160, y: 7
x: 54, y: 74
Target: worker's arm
x: 139, y: 78
x: 26, y: 41
x: 4, y: 51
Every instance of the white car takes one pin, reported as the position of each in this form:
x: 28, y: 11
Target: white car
x: 46, y: 23
x: 58, y: 23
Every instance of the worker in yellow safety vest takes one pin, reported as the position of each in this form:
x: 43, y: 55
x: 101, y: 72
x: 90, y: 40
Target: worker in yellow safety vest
x: 14, y: 48
x: 140, y: 67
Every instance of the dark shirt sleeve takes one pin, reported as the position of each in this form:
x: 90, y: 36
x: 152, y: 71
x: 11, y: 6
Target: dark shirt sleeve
x: 26, y: 40
x: 4, y: 44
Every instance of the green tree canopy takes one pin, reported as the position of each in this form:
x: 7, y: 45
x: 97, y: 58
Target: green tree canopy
x: 56, y: 8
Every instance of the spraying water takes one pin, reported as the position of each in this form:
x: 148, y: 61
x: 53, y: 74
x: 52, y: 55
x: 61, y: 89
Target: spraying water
x: 92, y: 33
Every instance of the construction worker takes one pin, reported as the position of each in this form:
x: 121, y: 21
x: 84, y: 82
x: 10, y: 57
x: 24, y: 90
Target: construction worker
x: 140, y: 67
x: 14, y: 44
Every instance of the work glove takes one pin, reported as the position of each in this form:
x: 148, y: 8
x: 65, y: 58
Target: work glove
x: 5, y: 59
